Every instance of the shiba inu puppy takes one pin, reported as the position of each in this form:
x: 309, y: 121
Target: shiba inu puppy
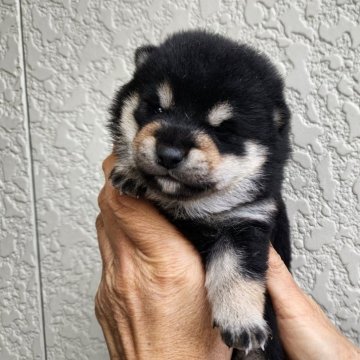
x: 202, y: 130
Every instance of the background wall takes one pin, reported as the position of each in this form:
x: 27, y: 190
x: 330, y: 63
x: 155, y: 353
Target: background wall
x: 60, y: 62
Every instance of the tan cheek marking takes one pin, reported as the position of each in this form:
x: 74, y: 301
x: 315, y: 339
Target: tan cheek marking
x: 146, y: 132
x: 208, y: 147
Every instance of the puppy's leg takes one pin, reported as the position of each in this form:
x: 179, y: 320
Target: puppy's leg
x: 235, y: 281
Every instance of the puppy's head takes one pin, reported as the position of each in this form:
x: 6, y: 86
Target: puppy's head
x: 201, y: 114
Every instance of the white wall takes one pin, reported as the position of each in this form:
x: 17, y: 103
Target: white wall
x: 76, y: 54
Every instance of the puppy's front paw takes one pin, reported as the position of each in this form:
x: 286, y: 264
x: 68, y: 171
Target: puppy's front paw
x: 127, y: 185
x: 237, y: 302
x: 245, y: 337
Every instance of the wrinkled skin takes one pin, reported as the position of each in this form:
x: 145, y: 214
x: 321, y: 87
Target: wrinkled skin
x: 151, y: 302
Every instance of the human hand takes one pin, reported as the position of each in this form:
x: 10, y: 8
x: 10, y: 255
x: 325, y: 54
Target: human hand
x: 151, y: 302
x: 306, y: 333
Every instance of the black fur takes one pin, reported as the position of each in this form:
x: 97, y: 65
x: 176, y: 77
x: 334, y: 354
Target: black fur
x: 203, y: 70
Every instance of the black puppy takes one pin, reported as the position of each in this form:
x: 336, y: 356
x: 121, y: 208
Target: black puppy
x: 202, y: 131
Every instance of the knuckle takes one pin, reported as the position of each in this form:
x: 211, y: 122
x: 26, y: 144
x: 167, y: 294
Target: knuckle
x: 97, y: 301
x: 111, y: 296
x: 173, y: 278
x: 99, y: 312
x: 101, y: 299
x: 99, y: 222
x: 110, y: 199
x: 116, y: 284
x: 102, y: 201
x: 105, y: 164
x: 112, y: 283
x: 119, y: 205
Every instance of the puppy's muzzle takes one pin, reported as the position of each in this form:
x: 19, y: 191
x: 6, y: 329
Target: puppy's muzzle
x: 169, y: 156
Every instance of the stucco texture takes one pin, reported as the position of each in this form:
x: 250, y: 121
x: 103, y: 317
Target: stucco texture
x: 60, y: 62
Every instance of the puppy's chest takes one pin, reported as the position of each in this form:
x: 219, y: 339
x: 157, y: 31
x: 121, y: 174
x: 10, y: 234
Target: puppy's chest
x: 204, y: 235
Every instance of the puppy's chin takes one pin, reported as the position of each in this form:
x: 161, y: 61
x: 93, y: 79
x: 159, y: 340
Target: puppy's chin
x: 167, y: 187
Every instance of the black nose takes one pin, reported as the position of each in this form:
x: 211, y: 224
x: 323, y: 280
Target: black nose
x: 169, y: 156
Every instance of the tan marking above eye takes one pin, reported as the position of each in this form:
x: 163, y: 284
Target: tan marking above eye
x: 219, y: 113
x: 165, y: 94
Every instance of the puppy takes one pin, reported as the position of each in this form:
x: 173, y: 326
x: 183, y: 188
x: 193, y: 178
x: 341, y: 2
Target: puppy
x: 201, y: 129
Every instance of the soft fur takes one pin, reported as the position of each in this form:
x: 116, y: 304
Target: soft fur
x: 202, y: 130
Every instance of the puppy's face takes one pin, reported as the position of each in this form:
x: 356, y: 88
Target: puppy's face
x: 189, y: 126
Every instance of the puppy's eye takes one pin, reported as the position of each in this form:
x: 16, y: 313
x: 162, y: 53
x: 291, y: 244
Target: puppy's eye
x: 153, y: 108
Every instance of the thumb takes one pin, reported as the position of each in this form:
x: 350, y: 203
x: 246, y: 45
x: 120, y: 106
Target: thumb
x: 283, y: 289
x: 146, y: 228
x: 140, y: 221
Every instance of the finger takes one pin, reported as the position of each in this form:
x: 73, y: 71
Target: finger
x: 112, y: 342
x: 138, y: 219
x: 115, y: 247
x: 109, y: 197
x: 105, y: 247
x: 149, y: 230
x: 108, y: 164
x: 125, y: 206
x: 283, y: 288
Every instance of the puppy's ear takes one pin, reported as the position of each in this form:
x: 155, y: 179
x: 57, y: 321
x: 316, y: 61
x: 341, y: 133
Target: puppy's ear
x: 142, y: 53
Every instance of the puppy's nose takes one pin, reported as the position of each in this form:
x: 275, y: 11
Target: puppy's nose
x: 169, y: 156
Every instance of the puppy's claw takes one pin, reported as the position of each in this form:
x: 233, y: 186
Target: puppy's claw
x: 246, y: 338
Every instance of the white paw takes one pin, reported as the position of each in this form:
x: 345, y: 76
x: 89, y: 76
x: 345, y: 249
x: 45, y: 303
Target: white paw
x: 237, y: 302
x: 245, y: 337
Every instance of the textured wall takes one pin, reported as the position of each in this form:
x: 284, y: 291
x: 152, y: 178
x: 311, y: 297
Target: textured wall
x: 21, y: 330
x: 75, y: 54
